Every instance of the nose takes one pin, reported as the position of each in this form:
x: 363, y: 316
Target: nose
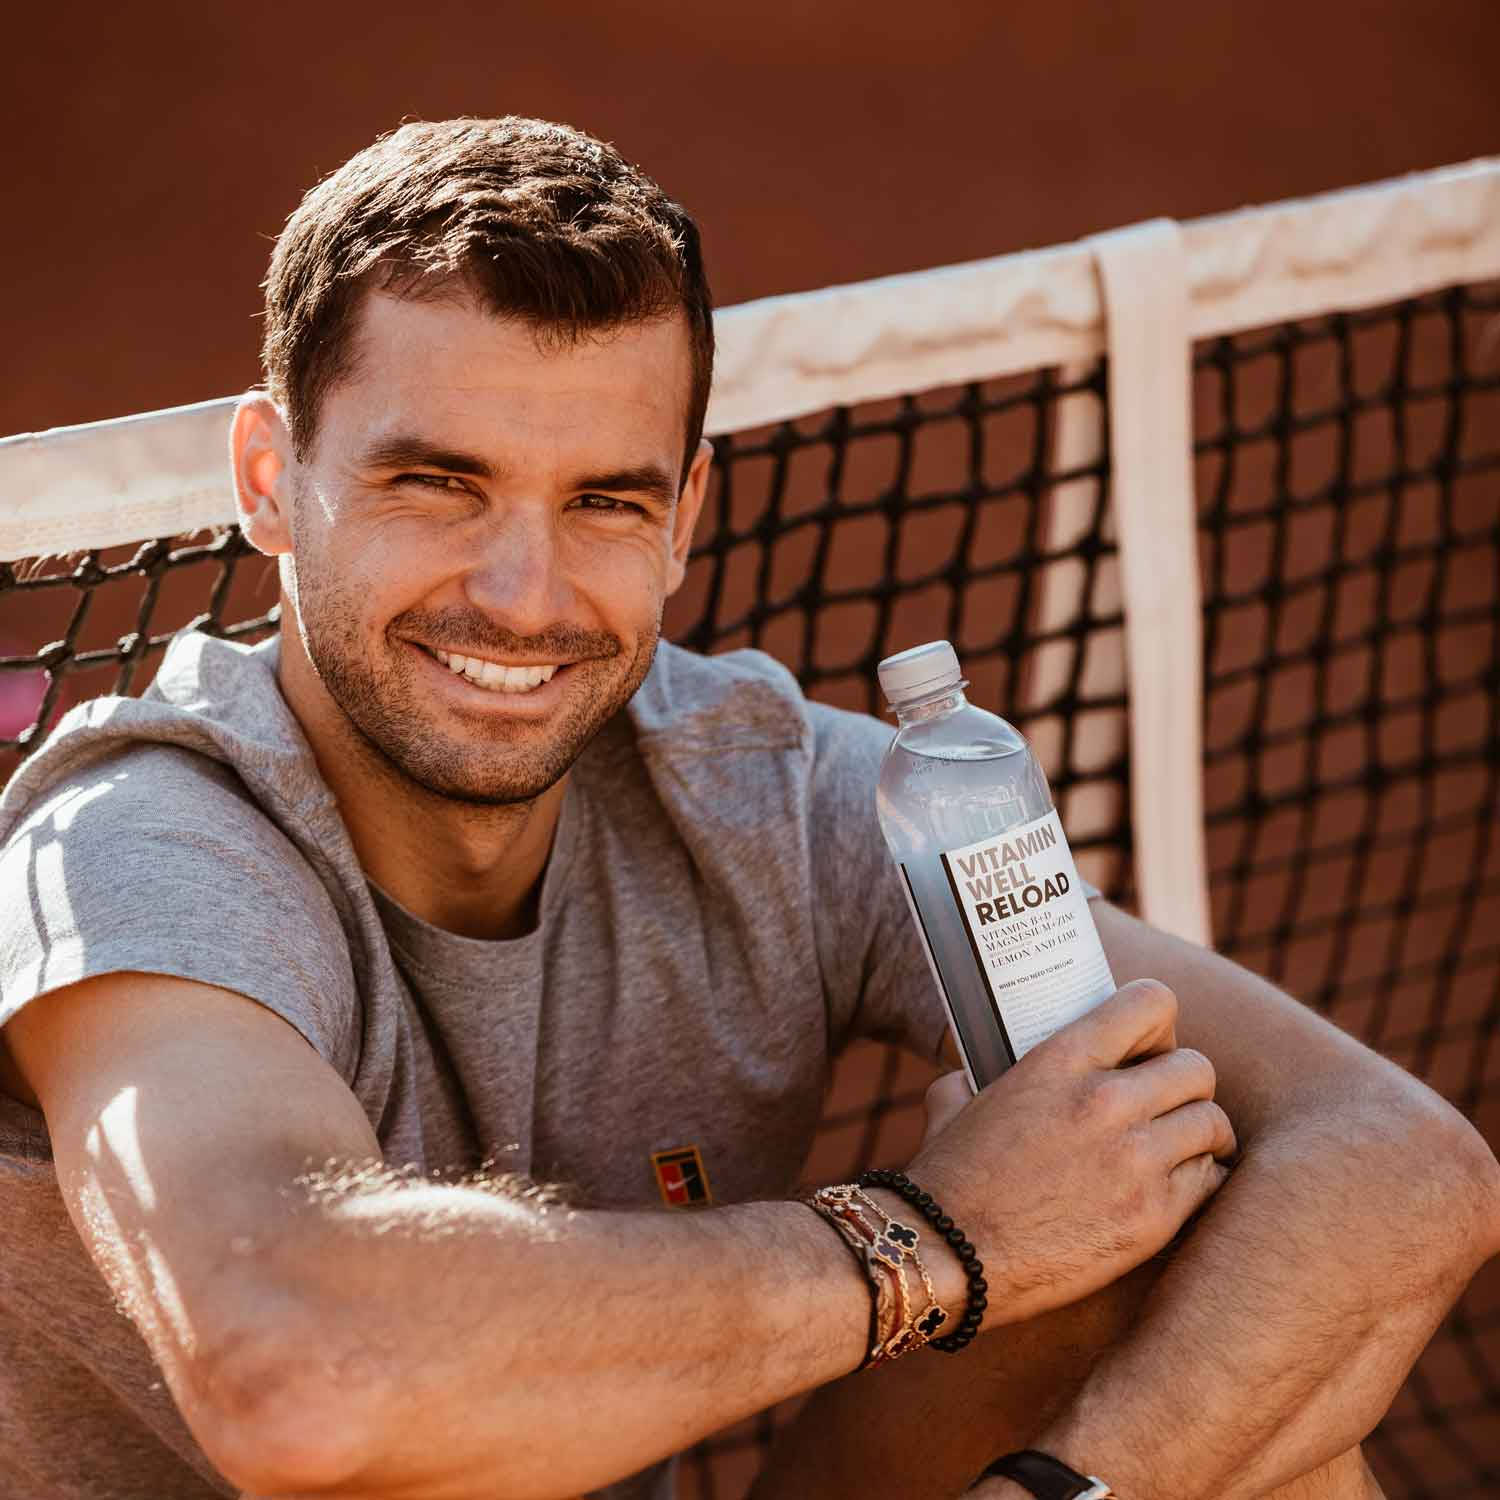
x: 518, y: 579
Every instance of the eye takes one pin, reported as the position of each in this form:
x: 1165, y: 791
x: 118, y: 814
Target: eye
x: 609, y: 505
x: 433, y: 482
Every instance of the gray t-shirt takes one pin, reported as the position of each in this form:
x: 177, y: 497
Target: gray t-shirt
x: 718, y: 917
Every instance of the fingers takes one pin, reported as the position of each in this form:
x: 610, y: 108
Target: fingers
x: 1197, y: 1129
x: 945, y: 1098
x: 1193, y: 1182
x: 1138, y: 1020
x: 1166, y: 1082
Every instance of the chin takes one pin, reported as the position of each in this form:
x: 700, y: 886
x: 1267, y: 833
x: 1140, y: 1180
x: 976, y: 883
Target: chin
x: 457, y: 777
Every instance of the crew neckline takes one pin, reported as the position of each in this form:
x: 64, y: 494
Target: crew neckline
x: 450, y: 956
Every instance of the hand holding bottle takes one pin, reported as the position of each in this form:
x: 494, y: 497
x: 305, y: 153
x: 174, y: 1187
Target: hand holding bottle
x: 1083, y: 1159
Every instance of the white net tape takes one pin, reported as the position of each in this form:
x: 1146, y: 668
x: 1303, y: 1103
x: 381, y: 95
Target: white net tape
x: 163, y: 473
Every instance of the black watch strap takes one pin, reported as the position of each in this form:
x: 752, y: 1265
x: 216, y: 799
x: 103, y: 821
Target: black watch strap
x: 1046, y: 1477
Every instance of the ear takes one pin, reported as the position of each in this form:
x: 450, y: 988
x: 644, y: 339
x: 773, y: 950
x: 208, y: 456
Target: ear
x: 689, y: 505
x: 260, y: 458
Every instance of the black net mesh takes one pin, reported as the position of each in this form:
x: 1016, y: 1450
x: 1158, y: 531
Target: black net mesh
x: 72, y: 628
x: 1349, y: 503
x: 1349, y: 488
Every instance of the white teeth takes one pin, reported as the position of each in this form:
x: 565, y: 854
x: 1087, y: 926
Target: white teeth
x: 491, y: 675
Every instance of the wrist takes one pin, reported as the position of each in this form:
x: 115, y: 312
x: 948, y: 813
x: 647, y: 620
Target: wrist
x: 976, y: 1300
x: 1067, y: 1441
x: 1040, y: 1474
x: 847, y: 1295
x: 948, y: 1278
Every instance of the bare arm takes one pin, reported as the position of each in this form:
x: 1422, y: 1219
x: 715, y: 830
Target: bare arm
x: 1281, y: 1327
x: 422, y: 1340
x: 388, y: 1339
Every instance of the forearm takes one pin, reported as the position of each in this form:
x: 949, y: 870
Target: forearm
x: 1285, y: 1323
x: 922, y: 1428
x: 1242, y: 1340
x: 464, y: 1342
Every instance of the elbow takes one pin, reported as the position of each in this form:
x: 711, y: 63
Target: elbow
x: 1406, y: 1166
x: 1483, y: 1190
x: 1456, y: 1185
x: 279, y: 1412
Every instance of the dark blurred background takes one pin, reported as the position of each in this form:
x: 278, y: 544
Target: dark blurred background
x: 152, y: 151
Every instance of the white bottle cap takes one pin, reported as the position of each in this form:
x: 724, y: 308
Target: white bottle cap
x: 919, y: 671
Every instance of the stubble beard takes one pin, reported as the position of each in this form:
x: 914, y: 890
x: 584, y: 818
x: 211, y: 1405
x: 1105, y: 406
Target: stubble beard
x: 496, y: 763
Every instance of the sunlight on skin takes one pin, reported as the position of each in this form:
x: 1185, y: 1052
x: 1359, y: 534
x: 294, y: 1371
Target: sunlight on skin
x: 168, y: 1298
x: 118, y: 1131
x: 427, y: 1210
x: 143, y: 1280
x: 147, y: 1293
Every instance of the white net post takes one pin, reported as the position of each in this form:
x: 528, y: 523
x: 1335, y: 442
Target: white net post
x: 1144, y: 276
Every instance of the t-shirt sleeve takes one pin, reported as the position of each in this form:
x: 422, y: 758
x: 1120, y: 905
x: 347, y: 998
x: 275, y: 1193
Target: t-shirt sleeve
x: 876, y: 975
x: 157, y: 860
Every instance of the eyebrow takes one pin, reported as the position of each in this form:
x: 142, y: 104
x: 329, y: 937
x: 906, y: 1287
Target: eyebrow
x: 639, y: 479
x: 408, y: 450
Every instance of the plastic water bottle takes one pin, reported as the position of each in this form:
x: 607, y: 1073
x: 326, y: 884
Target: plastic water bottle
x: 969, y: 820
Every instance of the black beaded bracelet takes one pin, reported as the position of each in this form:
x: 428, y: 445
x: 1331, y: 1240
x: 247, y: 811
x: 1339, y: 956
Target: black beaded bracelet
x: 925, y: 1204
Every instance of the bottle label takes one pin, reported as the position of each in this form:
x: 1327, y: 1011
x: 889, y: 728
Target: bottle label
x: 1028, y: 918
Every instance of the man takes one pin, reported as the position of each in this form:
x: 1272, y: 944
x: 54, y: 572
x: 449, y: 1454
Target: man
x: 319, y: 958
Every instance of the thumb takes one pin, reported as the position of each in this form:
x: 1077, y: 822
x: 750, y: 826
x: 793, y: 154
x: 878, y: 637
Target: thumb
x: 945, y: 1098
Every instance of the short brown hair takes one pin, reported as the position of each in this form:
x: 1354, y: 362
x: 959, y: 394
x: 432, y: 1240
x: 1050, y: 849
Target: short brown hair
x: 537, y: 220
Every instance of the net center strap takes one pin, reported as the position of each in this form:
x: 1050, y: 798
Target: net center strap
x: 1143, y: 271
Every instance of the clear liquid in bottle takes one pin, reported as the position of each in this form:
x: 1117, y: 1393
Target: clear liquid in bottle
x: 969, y: 820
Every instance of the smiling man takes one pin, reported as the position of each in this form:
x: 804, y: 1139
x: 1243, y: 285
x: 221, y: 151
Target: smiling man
x: 477, y: 550
x: 366, y: 993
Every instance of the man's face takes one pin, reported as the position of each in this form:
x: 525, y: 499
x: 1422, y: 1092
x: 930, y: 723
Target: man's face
x: 478, y: 499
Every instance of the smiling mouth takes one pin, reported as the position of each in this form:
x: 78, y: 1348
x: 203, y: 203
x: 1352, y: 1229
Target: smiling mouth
x: 495, y: 676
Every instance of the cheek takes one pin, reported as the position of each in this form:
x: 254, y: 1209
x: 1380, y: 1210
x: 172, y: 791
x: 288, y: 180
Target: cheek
x: 376, y: 572
x: 626, y: 580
